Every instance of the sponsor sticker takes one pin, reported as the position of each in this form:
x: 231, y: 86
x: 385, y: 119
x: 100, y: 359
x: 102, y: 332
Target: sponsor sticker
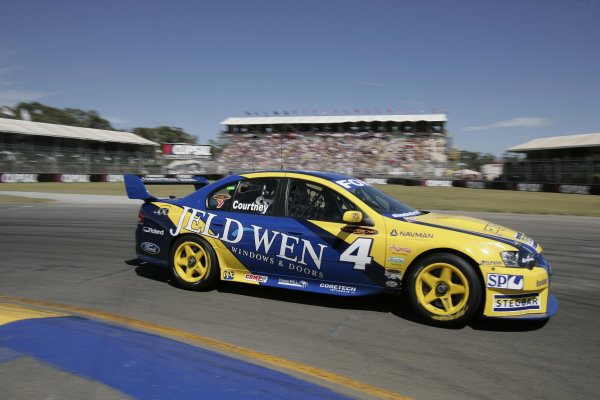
x: 502, y: 281
x: 393, y: 274
x: 488, y: 262
x: 542, y: 282
x: 359, y: 231
x: 524, y: 238
x: 256, y: 278
x: 394, y: 232
x: 493, y: 228
x: 416, y: 235
x: 150, y: 248
x: 396, y: 260
x: 221, y: 198
x: 516, y: 302
x: 351, y: 183
x: 391, y: 284
x: 406, y: 214
x: 338, y: 288
x: 162, y: 211
x: 399, y: 250
x: 292, y: 282
x: 228, y: 275
x: 153, y: 231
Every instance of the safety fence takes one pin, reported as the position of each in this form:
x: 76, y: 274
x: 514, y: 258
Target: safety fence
x: 497, y: 185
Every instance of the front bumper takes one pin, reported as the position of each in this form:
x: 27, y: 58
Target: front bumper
x: 525, y: 294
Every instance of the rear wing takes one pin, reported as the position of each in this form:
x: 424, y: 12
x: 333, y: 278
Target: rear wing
x: 136, y: 186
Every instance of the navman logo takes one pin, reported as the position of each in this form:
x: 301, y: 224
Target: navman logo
x: 501, y: 281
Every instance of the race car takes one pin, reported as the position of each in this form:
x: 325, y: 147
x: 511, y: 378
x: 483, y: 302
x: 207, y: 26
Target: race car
x: 330, y: 233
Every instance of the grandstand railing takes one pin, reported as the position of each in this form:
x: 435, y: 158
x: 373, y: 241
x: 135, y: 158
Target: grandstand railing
x: 39, y: 159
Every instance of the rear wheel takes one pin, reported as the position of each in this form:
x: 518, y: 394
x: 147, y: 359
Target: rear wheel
x: 444, y: 289
x: 194, y: 263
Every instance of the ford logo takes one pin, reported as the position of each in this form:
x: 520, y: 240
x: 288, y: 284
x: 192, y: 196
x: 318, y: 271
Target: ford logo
x: 150, y: 248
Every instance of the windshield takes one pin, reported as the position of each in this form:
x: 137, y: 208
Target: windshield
x: 383, y: 203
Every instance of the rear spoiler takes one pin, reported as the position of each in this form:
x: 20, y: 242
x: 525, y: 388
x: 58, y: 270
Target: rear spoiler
x: 136, y: 186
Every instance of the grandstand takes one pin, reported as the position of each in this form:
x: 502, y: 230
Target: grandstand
x: 360, y: 145
x: 572, y: 159
x: 35, y: 147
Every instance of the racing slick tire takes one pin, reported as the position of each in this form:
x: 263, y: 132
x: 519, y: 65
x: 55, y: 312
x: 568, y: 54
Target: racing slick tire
x: 194, y: 263
x: 444, y: 289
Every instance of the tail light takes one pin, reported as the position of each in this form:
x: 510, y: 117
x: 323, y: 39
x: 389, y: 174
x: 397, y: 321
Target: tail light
x: 141, y: 217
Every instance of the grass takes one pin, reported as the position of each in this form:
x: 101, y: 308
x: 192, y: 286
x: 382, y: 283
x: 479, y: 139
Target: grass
x: 421, y: 197
x: 509, y: 201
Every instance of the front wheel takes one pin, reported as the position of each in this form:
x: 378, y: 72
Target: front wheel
x: 194, y: 263
x: 444, y: 289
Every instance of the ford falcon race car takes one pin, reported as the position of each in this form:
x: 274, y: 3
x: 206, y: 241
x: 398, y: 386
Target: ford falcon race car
x: 330, y: 233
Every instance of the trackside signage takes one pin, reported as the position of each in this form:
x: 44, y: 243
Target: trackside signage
x: 22, y: 178
x: 179, y: 151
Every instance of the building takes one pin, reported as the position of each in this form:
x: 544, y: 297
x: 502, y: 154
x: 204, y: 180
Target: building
x: 360, y: 145
x: 35, y: 147
x: 572, y: 159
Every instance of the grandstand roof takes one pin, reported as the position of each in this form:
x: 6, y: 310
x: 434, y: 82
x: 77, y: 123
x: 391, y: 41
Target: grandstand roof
x: 333, y: 119
x: 70, y: 132
x: 559, y: 142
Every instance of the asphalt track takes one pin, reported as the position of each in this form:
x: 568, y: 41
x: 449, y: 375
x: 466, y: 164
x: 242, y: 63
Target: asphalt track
x: 82, y: 256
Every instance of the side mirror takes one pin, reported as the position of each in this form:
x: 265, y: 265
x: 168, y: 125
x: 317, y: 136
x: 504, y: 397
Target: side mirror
x: 353, y: 217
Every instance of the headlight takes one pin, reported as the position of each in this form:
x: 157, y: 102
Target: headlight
x: 517, y: 259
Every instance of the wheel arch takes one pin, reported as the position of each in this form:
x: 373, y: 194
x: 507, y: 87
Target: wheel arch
x: 443, y: 250
x: 174, y: 240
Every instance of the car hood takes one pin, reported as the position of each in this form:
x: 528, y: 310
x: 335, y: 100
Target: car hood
x: 476, y: 226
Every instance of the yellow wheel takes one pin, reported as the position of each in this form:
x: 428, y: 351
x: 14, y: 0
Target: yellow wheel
x: 193, y: 263
x: 444, y: 289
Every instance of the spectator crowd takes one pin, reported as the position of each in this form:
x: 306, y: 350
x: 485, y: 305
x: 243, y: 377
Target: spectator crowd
x: 358, y: 154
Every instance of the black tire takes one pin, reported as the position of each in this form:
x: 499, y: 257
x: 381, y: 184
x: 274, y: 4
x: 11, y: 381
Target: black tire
x: 444, y: 289
x: 193, y: 263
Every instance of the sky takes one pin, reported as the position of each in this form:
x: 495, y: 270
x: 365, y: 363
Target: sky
x: 506, y: 71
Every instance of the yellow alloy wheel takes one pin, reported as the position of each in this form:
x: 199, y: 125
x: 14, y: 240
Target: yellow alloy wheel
x: 191, y: 262
x: 442, y: 289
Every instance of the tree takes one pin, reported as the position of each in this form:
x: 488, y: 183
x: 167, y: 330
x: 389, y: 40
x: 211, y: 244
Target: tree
x: 473, y: 160
x: 165, y: 134
x: 69, y: 116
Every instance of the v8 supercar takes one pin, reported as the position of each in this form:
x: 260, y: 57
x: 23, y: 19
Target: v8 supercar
x: 330, y: 233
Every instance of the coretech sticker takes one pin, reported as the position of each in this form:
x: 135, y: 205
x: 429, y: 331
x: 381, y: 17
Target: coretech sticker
x: 516, y: 302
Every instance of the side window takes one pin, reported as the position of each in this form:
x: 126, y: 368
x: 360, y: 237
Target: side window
x: 255, y: 196
x: 220, y: 199
x: 309, y: 200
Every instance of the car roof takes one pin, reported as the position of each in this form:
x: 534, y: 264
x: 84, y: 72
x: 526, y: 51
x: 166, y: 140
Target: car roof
x: 330, y: 176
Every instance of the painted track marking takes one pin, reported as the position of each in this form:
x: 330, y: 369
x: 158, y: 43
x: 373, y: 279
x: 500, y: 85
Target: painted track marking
x: 217, y: 345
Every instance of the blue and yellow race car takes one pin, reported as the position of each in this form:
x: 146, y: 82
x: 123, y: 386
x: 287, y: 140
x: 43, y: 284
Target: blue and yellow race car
x: 330, y: 233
